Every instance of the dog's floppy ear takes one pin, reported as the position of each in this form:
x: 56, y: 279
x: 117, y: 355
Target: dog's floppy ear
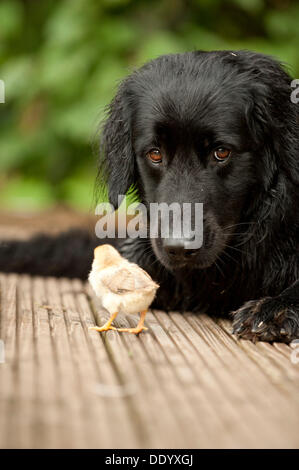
x: 263, y: 133
x: 117, y: 161
x: 272, y: 118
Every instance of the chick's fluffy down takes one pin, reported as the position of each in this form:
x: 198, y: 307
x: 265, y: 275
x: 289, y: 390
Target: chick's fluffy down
x: 123, y: 287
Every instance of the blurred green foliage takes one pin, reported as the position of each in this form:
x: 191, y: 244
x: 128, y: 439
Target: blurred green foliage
x: 61, y: 62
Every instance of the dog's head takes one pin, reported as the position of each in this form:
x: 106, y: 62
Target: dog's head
x: 199, y: 128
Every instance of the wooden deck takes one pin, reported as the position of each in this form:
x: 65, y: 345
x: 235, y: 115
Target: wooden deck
x: 185, y: 383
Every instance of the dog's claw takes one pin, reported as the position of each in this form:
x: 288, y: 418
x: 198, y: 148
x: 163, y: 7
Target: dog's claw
x: 236, y: 331
x: 266, y: 320
x: 258, y: 328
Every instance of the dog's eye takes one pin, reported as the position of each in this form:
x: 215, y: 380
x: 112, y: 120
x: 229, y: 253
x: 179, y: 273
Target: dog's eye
x: 221, y: 154
x: 155, y: 156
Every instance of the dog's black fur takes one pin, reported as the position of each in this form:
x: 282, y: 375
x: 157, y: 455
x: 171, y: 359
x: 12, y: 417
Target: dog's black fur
x: 188, y: 105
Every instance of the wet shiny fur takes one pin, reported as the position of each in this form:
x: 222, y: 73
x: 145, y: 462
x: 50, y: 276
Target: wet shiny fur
x: 188, y: 105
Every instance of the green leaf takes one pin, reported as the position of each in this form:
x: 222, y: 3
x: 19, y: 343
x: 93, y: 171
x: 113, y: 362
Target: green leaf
x: 11, y: 18
x: 26, y: 195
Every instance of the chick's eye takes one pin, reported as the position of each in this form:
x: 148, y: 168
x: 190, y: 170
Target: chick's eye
x: 155, y: 156
x: 221, y: 154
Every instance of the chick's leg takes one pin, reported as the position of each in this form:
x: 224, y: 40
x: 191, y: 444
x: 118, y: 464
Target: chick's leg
x: 139, y: 327
x: 107, y: 326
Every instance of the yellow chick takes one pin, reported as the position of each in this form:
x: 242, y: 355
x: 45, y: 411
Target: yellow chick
x: 122, y: 287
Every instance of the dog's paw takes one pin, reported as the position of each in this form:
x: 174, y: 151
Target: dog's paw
x: 267, y: 319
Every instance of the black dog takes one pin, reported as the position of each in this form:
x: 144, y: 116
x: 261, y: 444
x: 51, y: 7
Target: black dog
x: 218, y: 128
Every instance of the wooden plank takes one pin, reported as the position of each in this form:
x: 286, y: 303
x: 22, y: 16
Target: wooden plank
x: 107, y: 418
x: 194, y: 413
x: 20, y: 416
x: 48, y: 423
x: 216, y: 412
x: 141, y: 402
x: 186, y: 382
x: 8, y: 322
x: 269, y: 387
x: 165, y: 409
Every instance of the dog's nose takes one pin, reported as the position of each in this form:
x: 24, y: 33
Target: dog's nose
x: 179, y: 248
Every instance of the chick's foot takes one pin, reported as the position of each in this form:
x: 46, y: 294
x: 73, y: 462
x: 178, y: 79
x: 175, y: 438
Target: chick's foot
x: 102, y: 328
x: 107, y: 326
x: 135, y: 330
x: 140, y: 327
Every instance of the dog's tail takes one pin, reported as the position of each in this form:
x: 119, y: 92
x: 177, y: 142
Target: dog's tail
x: 68, y: 254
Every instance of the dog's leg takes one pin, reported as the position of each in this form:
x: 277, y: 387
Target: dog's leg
x: 269, y: 318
